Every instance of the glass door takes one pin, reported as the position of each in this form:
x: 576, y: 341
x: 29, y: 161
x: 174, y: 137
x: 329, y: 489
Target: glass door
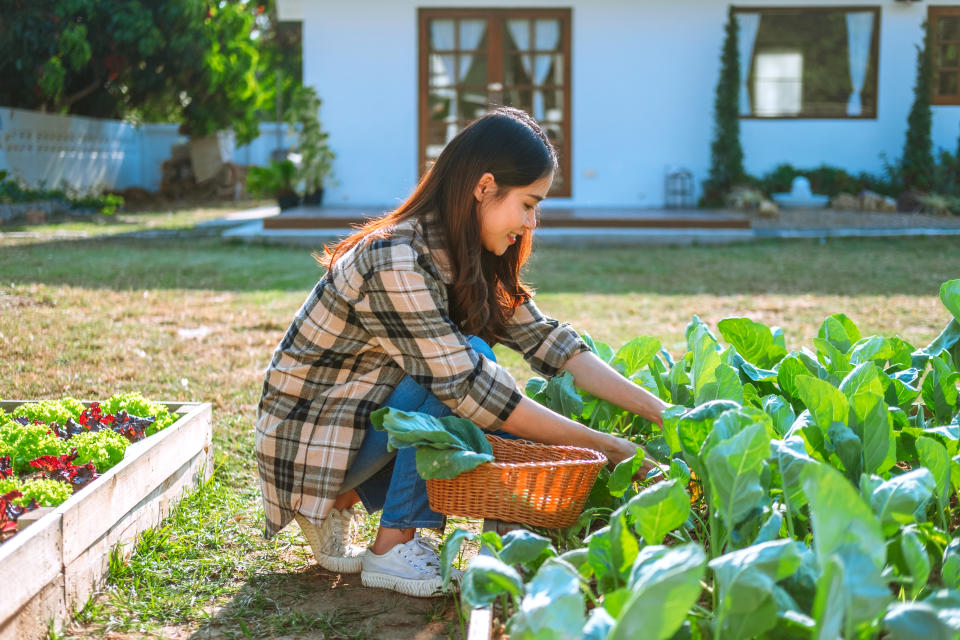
x: 473, y: 59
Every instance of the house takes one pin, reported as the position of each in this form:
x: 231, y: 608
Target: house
x: 625, y: 87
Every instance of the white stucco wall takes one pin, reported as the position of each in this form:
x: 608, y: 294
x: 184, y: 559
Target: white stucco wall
x: 643, y: 78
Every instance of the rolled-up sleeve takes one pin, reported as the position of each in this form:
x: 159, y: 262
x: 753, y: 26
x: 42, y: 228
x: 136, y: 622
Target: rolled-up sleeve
x: 545, y: 344
x: 402, y: 308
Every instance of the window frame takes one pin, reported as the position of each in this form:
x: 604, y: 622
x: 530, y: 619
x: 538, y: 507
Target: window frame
x: 495, y: 72
x: 934, y: 13
x: 874, y: 55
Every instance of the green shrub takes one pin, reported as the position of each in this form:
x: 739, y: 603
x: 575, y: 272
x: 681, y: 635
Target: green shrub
x: 47, y: 492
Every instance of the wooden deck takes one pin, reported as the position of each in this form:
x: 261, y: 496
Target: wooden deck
x: 571, y: 218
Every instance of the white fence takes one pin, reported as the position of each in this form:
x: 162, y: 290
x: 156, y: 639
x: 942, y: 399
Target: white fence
x: 88, y: 153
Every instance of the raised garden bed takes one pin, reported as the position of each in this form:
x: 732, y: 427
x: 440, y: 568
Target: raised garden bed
x: 59, y: 560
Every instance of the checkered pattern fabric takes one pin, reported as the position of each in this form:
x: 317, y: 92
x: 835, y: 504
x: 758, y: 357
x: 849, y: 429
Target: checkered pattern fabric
x: 380, y: 313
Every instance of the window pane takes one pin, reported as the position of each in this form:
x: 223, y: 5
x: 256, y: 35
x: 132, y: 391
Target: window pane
x: 814, y: 63
x: 947, y: 83
x: 441, y: 104
x: 473, y: 104
x: 548, y: 69
x: 441, y: 35
x: 519, y: 98
x: 473, y: 69
x: 552, y: 106
x: 442, y: 70
x: 473, y: 35
x: 516, y: 37
x: 948, y: 27
x: 547, y: 35
x: 947, y: 55
x: 518, y: 70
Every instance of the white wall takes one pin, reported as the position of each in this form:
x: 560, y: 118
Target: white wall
x: 93, y: 153
x: 644, y: 76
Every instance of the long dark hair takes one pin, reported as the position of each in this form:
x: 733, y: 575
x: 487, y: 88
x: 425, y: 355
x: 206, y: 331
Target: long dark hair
x: 486, y: 289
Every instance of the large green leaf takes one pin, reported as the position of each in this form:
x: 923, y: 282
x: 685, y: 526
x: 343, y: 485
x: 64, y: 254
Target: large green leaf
x: 834, y: 360
x: 871, y: 422
x: 915, y: 555
x: 622, y: 476
x: 948, y: 338
x: 712, y: 378
x: 780, y: 412
x: 611, y: 552
x: 665, y: 582
x: 659, y: 509
x: 950, y: 296
x: 562, y: 397
x: 792, y: 458
x: 486, y: 578
x: 839, y: 516
x: 832, y: 600
x: 635, y: 355
x: 599, y: 624
x: 787, y: 373
x: 940, y: 390
x: 695, y: 425
x: 553, y: 606
x: 849, y: 449
x: 876, y: 349
x: 825, y: 402
x: 913, y: 620
x: 735, y: 467
x: 950, y: 564
x: 746, y: 579
x: 521, y: 546
x: 864, y: 377
x: 446, y: 447
x: 840, y: 331
x: 934, y: 457
x: 450, y: 552
x: 902, y: 499
x: 753, y: 340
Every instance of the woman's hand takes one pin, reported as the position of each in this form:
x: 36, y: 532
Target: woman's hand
x: 620, y: 449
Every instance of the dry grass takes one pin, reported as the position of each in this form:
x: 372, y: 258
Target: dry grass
x: 91, y: 318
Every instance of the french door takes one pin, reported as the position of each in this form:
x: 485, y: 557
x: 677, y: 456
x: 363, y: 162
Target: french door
x: 474, y: 59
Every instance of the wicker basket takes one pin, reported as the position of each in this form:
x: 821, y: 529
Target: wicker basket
x: 530, y: 483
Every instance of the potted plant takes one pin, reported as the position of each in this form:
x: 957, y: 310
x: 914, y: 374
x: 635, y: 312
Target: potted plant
x: 275, y: 181
x: 316, y: 157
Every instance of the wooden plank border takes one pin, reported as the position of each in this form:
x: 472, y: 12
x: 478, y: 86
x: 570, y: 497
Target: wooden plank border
x: 59, y: 561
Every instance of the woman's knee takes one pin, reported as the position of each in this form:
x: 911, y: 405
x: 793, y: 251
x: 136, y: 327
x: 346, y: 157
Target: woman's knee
x: 481, y: 347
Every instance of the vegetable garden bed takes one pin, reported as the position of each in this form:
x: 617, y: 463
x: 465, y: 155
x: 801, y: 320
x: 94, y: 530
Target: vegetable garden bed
x: 59, y: 560
x: 804, y: 494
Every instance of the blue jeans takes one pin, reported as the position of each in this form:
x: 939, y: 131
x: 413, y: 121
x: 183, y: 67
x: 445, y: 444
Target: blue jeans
x: 397, y: 488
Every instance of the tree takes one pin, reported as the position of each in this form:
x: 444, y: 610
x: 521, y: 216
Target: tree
x: 175, y: 60
x: 726, y: 154
x: 917, y: 165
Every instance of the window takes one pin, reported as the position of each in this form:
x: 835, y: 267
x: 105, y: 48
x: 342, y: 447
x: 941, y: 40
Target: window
x: 944, y: 24
x: 808, y: 62
x: 472, y: 59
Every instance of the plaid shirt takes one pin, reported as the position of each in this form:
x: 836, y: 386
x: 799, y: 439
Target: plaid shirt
x: 381, y: 312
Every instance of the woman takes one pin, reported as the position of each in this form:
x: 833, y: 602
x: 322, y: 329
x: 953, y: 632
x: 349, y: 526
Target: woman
x: 404, y: 318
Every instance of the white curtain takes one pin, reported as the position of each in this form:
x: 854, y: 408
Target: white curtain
x: 520, y: 30
x: 471, y: 33
x: 859, y: 37
x: 747, y: 26
x: 443, y: 70
x: 547, y: 33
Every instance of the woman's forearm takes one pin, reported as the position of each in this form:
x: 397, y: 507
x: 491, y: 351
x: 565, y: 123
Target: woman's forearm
x: 593, y: 375
x: 535, y: 422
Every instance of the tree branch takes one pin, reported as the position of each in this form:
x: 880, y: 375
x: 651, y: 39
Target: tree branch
x: 81, y: 94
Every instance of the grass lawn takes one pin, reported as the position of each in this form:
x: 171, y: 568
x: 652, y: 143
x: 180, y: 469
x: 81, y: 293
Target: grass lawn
x: 100, y: 315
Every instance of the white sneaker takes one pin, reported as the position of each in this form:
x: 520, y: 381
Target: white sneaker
x: 330, y: 542
x: 411, y: 568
